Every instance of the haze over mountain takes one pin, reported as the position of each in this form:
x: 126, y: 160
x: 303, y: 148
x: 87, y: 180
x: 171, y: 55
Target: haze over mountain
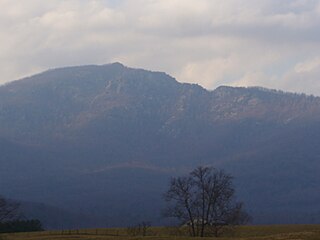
x: 103, y: 141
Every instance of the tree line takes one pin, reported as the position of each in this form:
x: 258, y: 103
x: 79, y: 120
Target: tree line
x: 11, y: 220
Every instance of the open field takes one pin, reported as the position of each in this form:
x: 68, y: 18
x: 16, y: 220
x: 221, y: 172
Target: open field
x: 277, y: 232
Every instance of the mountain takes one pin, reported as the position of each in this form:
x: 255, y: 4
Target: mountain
x: 103, y: 142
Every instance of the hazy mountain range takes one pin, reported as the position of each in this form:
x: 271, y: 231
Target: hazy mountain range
x: 100, y: 144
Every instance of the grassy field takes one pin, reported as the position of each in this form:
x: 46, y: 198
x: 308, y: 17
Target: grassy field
x: 277, y: 232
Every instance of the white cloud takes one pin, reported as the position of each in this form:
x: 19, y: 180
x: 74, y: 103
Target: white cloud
x: 304, y: 77
x: 308, y: 66
x: 211, y: 42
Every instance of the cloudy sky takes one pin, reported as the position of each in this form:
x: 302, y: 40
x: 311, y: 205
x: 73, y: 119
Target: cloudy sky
x: 269, y: 43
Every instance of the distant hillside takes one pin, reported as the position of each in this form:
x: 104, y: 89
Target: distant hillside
x: 56, y: 218
x: 104, y: 140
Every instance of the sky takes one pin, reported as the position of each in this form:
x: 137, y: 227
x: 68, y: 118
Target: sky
x: 268, y: 43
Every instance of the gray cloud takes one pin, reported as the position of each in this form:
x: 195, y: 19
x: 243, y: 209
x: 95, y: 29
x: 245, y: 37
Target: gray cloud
x: 210, y: 42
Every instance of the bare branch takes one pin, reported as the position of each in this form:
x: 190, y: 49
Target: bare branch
x: 204, y: 200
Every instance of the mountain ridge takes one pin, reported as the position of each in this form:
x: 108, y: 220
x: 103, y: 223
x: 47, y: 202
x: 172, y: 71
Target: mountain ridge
x: 60, y: 127
x: 243, y: 97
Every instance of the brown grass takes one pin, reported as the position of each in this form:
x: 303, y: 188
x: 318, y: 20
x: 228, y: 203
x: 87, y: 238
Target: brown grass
x: 276, y: 232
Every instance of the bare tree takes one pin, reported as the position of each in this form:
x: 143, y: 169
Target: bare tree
x: 8, y: 210
x: 181, y: 193
x: 204, y: 200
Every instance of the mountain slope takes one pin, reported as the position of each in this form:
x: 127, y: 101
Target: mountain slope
x: 100, y: 140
